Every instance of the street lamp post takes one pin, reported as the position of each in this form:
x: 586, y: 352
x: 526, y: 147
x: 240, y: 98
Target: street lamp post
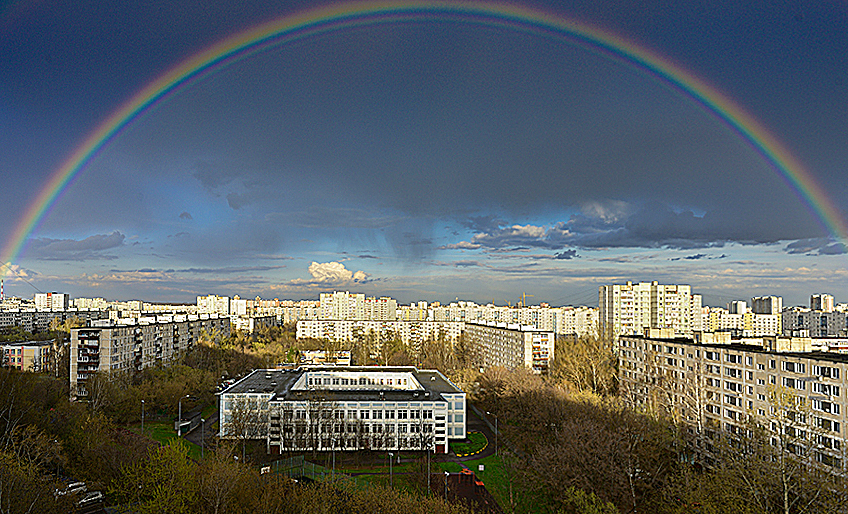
x: 202, y: 429
x: 142, y: 417
x: 180, y: 416
x: 496, y: 430
x: 447, y: 475
x: 391, y: 477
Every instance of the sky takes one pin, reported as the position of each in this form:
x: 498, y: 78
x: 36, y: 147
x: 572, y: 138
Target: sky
x: 425, y: 158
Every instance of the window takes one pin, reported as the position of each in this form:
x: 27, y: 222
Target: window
x: 826, y: 389
x: 390, y: 414
x: 825, y: 406
x: 363, y: 414
x: 402, y: 414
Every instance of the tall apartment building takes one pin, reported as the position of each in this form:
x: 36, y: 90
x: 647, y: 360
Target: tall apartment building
x: 346, y: 408
x: 721, y: 386
x: 767, y: 305
x: 52, y: 301
x: 512, y: 346
x: 138, y: 344
x: 213, y: 304
x: 821, y: 302
x: 630, y: 309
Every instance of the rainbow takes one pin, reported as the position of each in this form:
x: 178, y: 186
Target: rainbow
x: 343, y: 15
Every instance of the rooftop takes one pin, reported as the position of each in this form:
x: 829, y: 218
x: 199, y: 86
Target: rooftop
x: 281, y: 384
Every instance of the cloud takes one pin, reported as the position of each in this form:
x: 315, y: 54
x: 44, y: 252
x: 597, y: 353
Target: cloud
x: 326, y: 275
x: 816, y: 246
x: 12, y: 272
x: 568, y: 254
x: 462, y: 245
x: 185, y: 216
x: 335, y: 217
x: 651, y: 224
x: 235, y: 201
x: 89, y: 248
x: 231, y: 269
x: 467, y: 264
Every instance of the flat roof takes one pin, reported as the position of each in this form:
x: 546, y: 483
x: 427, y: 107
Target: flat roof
x: 739, y: 347
x: 279, y: 384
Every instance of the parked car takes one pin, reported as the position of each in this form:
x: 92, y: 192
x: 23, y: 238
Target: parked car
x: 90, y: 499
x: 72, y: 488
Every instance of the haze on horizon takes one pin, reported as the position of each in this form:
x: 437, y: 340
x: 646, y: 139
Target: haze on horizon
x: 425, y: 160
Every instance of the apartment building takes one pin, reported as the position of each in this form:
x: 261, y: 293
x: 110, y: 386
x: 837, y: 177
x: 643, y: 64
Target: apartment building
x: 39, y: 321
x: 345, y: 408
x: 52, y: 301
x: 815, y: 323
x: 135, y: 344
x: 412, y: 333
x: 721, y: 386
x: 512, y: 346
x: 27, y: 356
x: 629, y: 309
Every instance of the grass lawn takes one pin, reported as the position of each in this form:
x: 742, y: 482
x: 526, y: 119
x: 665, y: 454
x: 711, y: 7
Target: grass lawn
x: 477, y: 441
x: 163, y: 432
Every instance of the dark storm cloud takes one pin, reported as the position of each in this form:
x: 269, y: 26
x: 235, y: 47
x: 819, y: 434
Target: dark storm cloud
x: 90, y: 248
x: 335, y: 217
x: 644, y: 225
x: 566, y: 255
x: 816, y: 246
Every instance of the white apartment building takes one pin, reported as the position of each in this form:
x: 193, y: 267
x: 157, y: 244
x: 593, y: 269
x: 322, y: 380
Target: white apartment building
x: 345, y: 408
x: 52, y: 301
x: 135, y: 344
x: 741, y: 324
x: 628, y: 309
x: 720, y: 386
x: 213, y: 304
x: 412, y: 333
x: 512, y: 346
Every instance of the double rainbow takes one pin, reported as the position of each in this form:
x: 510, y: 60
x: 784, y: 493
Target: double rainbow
x: 344, y: 15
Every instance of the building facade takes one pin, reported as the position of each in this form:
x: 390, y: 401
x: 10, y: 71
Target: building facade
x: 27, y: 356
x: 512, y: 346
x: 135, y: 345
x: 630, y: 309
x: 345, y: 408
x: 723, y: 386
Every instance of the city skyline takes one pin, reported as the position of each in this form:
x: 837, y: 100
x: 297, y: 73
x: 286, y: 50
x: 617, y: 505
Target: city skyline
x: 423, y: 150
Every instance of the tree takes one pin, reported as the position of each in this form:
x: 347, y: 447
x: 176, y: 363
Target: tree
x: 586, y: 363
x: 245, y: 419
x: 219, y: 477
x: 162, y: 482
x: 784, y: 463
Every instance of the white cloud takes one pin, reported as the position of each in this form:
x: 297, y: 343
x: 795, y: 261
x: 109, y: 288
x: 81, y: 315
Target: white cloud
x: 326, y: 275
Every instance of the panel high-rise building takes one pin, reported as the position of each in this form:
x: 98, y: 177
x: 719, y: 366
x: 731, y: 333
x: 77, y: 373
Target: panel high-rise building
x: 631, y: 309
x: 821, y: 302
